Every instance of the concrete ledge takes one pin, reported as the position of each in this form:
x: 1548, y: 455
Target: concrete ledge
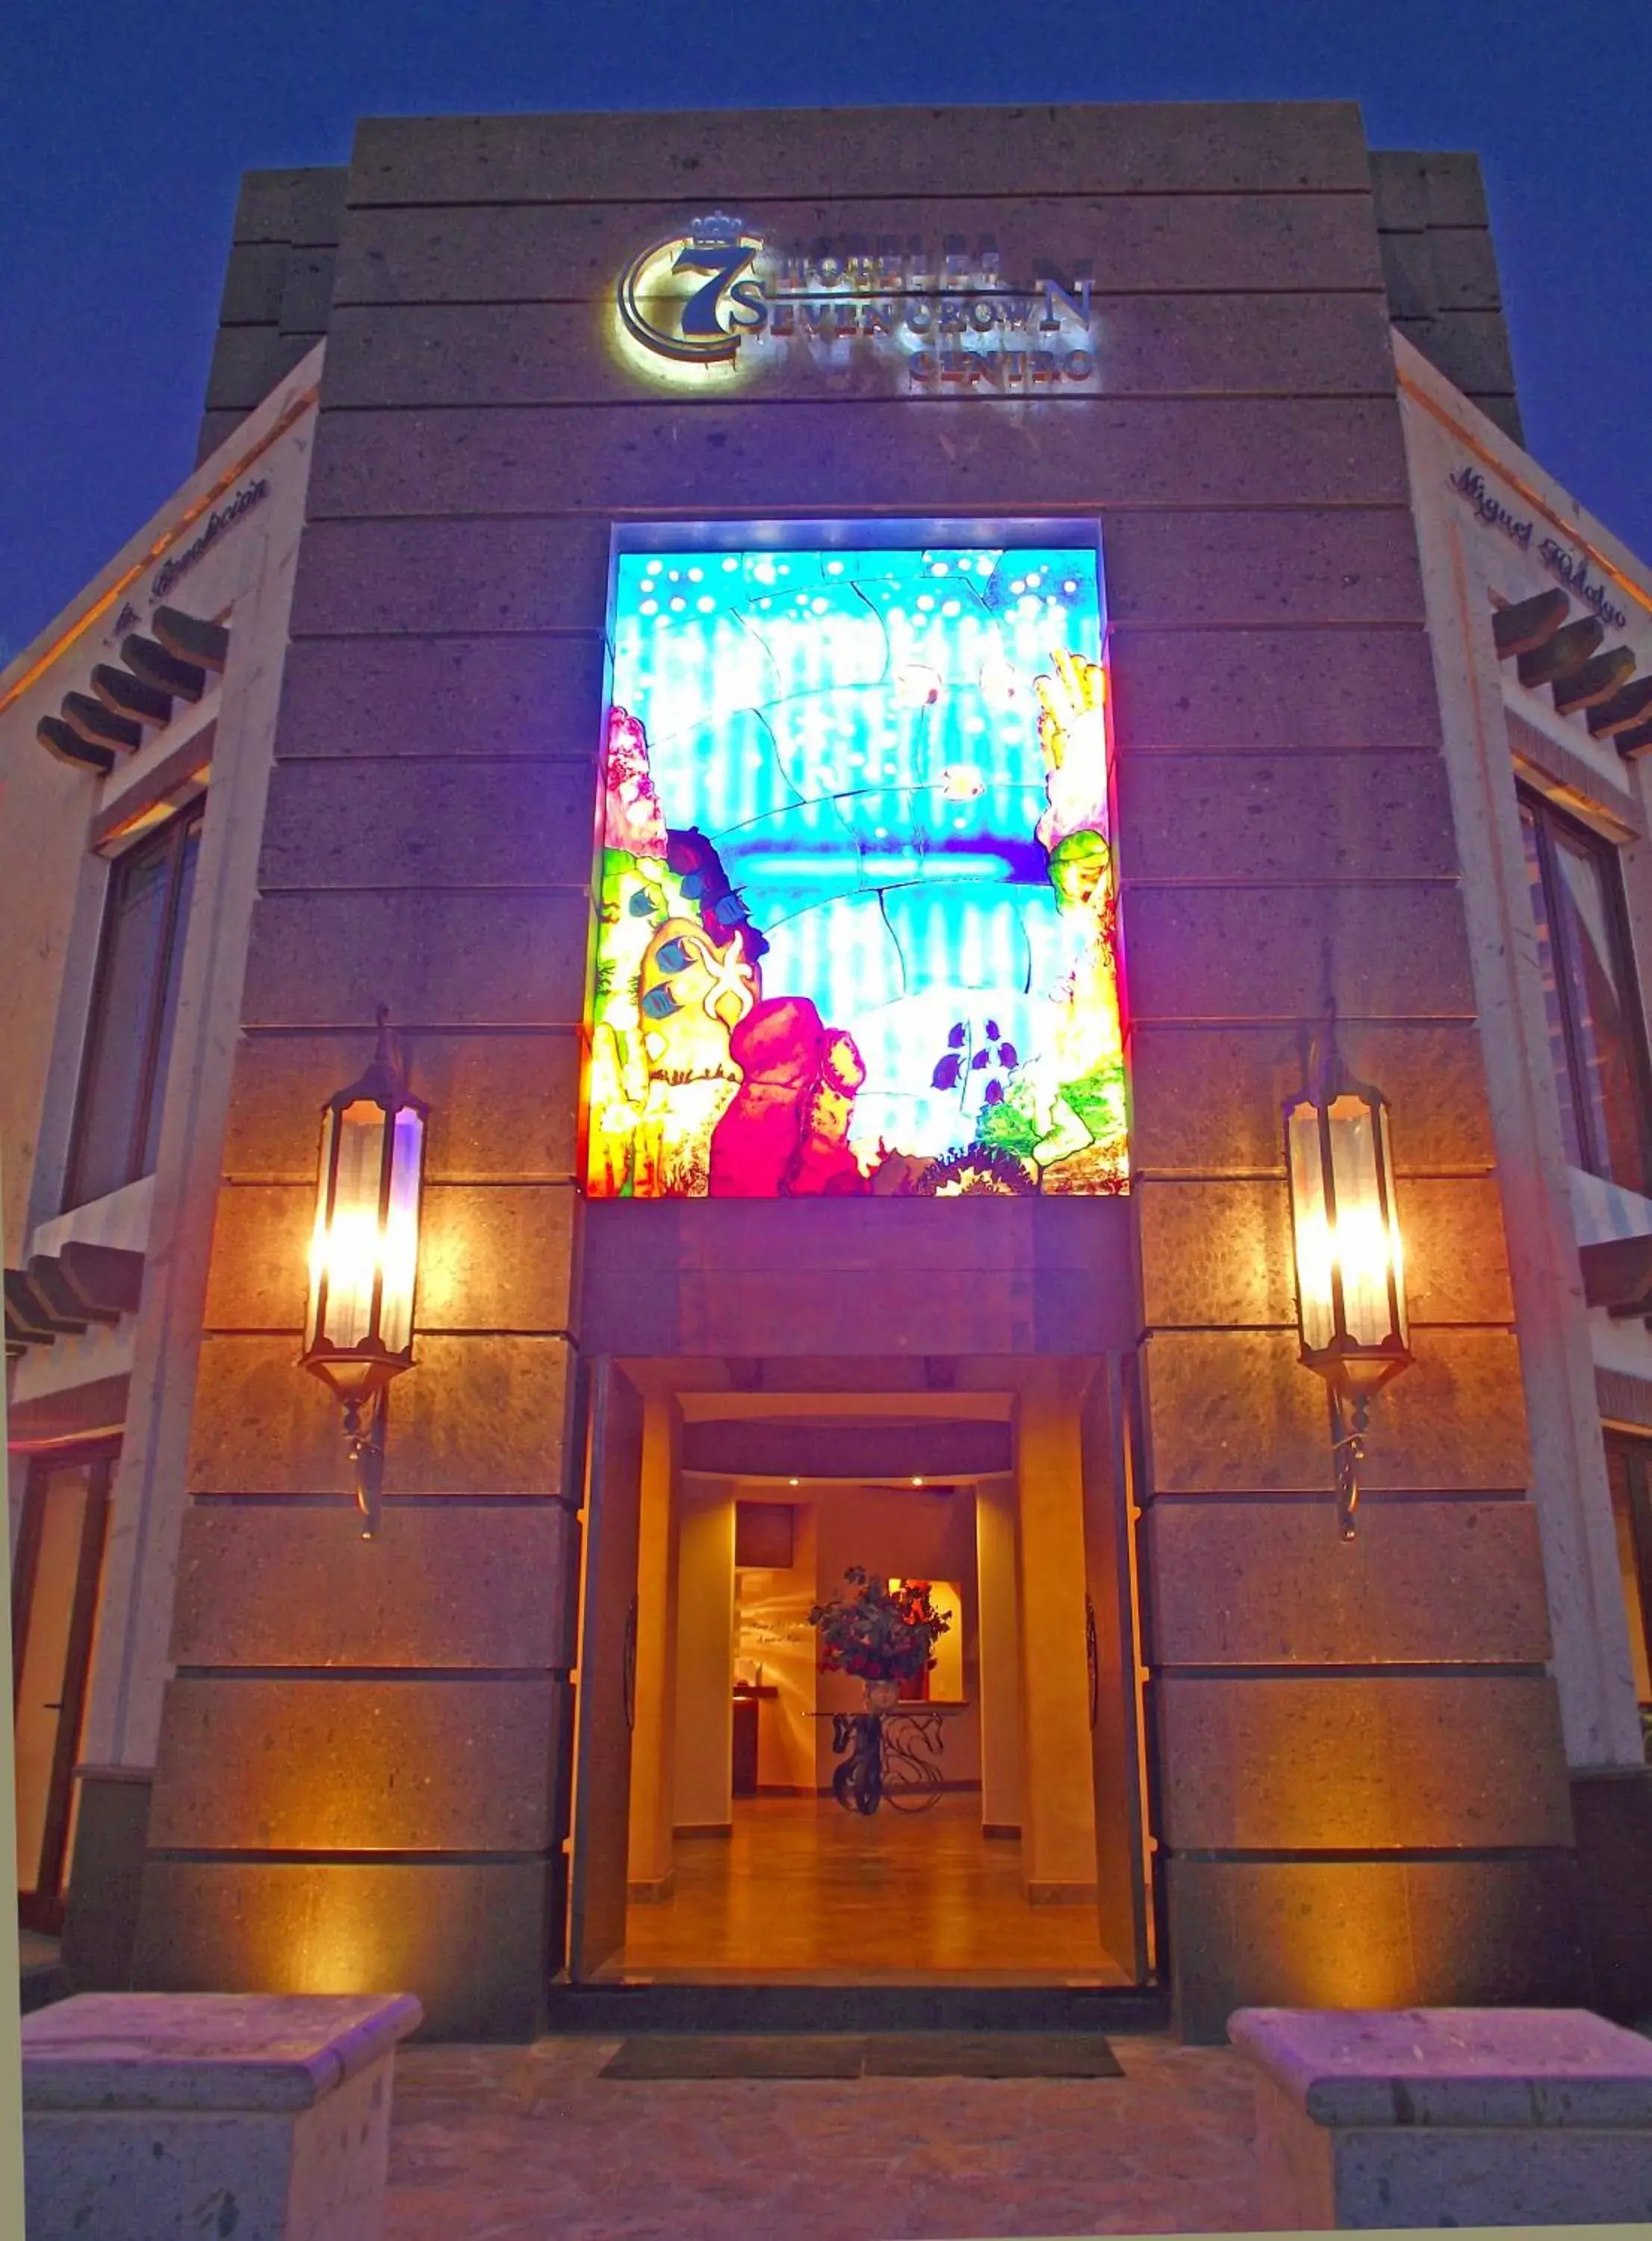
x: 204, y: 2050
x: 1447, y: 2117
x: 148, y: 2115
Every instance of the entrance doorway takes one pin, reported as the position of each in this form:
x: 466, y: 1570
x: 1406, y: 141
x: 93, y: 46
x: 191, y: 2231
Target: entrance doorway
x: 1009, y: 1845
x: 57, y: 1573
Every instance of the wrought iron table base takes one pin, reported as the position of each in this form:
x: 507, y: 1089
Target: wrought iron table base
x: 891, y: 1756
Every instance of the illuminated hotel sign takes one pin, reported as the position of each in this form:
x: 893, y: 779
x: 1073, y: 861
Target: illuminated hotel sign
x: 720, y: 300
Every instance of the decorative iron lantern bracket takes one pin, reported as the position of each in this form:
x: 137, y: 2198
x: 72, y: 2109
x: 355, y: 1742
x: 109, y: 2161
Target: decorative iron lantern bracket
x: 358, y: 1330
x: 1349, y: 1264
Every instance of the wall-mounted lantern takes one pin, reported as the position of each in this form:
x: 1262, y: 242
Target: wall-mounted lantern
x: 1350, y: 1273
x: 363, y: 1256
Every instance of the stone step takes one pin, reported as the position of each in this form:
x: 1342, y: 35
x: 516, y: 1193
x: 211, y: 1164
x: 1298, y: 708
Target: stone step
x: 621, y: 2011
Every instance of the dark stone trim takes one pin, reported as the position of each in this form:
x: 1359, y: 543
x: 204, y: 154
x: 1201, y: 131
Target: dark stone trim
x: 83, y: 1412
x: 1567, y: 776
x: 1623, y: 1399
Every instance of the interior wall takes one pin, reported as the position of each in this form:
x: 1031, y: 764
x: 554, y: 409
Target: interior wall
x: 897, y: 1533
x: 773, y: 1631
x: 1058, y: 1802
x: 999, y: 1636
x: 653, y: 1741
x: 902, y: 1533
x: 1115, y: 1743
x: 703, y: 1790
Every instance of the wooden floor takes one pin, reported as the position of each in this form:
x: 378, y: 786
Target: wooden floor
x: 803, y: 1891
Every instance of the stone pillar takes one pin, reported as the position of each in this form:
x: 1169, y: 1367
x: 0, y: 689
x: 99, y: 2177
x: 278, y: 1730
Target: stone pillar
x: 362, y: 1777
x: 129, y: 1665
x: 653, y: 1740
x: 1000, y: 1656
x: 1360, y: 1769
x: 1591, y: 1646
x: 124, y: 1709
x: 1058, y: 1801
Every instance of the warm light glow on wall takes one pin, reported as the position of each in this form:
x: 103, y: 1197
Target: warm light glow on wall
x: 1351, y: 1945
x: 348, y: 1938
x: 858, y: 922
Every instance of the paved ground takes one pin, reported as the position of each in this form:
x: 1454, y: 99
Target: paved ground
x: 515, y: 2144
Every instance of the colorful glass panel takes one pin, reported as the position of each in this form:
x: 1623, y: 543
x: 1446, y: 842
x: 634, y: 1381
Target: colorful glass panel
x: 858, y: 928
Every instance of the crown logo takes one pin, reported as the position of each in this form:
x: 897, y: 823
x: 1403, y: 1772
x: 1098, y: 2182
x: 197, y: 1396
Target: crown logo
x: 718, y: 231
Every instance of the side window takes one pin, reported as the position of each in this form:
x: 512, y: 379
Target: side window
x: 1628, y: 1470
x: 133, y: 1011
x: 1596, y: 1031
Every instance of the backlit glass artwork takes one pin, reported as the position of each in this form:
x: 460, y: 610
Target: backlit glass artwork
x: 856, y: 930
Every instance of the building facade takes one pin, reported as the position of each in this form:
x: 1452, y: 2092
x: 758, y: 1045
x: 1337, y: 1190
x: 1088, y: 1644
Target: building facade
x: 869, y: 660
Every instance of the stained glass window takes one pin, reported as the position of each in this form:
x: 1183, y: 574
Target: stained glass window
x: 857, y: 920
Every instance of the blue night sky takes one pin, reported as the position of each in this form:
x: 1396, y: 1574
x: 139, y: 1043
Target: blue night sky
x: 124, y: 131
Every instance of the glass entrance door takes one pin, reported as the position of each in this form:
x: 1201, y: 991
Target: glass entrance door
x: 56, y: 1579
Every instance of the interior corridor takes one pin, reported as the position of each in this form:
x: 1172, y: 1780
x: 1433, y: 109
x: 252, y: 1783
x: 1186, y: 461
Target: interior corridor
x: 801, y: 1888
x: 708, y: 1843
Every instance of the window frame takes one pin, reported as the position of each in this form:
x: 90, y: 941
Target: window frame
x: 1636, y: 1456
x: 42, y: 1908
x: 170, y: 840
x: 1546, y: 815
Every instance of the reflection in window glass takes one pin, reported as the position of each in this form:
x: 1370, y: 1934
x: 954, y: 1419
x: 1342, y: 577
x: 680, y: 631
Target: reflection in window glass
x: 133, y: 1012
x: 1589, y: 995
x: 1626, y: 1470
x: 1554, y: 1015
x: 45, y: 1656
x: 168, y: 984
x: 1602, y: 1010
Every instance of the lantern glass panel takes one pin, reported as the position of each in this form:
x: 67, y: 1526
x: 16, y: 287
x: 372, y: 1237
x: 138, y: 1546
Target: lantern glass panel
x: 346, y: 1250
x: 1362, y: 1237
x: 400, y: 1247
x: 1315, y: 1309
x: 313, y: 1321
x: 1396, y: 1249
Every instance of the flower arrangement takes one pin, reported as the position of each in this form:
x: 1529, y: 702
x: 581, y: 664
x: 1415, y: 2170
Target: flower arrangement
x: 878, y: 1633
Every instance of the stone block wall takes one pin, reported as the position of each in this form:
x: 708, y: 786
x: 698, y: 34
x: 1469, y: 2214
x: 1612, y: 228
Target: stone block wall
x: 277, y: 289
x: 1438, y: 265
x: 363, y: 1776
x: 1439, y: 268
x: 1372, y: 1811
x: 1361, y: 1777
